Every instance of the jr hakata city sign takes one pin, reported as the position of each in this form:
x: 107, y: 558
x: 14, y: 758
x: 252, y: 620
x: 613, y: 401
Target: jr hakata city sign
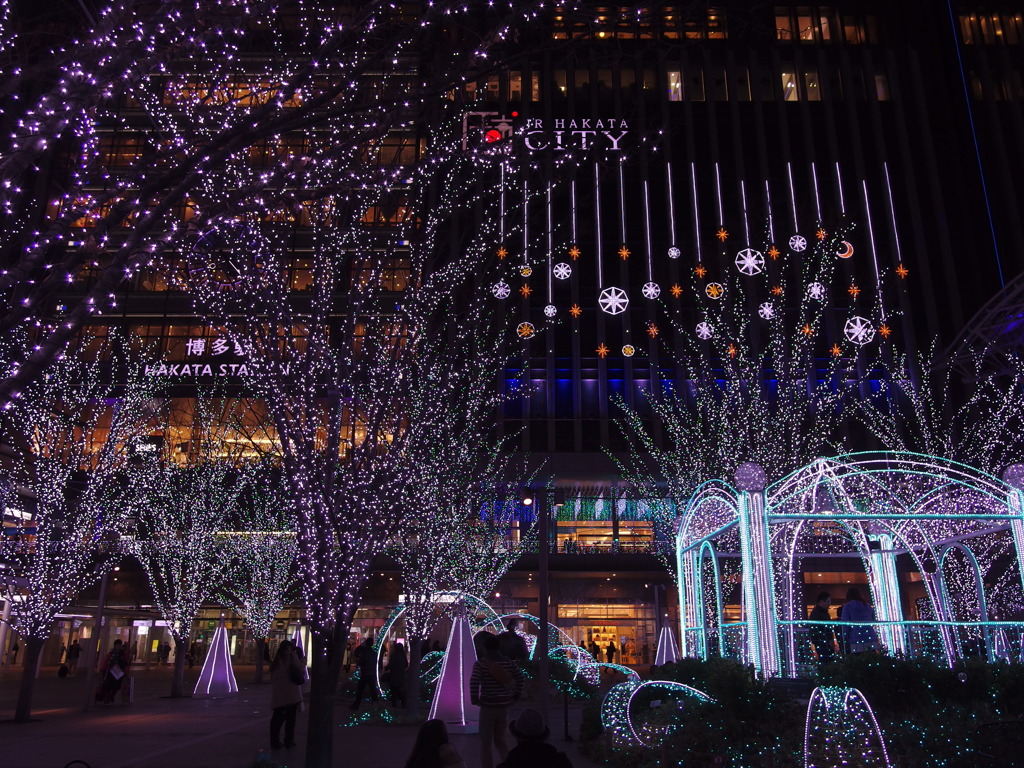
x: 559, y: 134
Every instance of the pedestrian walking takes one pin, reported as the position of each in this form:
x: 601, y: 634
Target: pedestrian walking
x: 74, y: 652
x: 287, y: 674
x: 859, y: 636
x: 511, y: 645
x: 398, y: 666
x: 495, y: 683
x: 432, y: 748
x: 366, y: 662
x: 115, y: 672
x: 609, y: 651
x: 14, y: 652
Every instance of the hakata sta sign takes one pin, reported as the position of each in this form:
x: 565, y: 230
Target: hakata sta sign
x: 211, y: 362
x: 557, y: 134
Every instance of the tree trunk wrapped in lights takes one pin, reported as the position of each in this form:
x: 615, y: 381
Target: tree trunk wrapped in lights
x: 70, y: 436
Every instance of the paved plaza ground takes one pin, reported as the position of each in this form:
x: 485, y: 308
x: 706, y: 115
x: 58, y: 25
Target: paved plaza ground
x: 159, y: 732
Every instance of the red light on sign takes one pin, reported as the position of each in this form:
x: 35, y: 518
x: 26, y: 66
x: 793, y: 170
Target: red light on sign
x: 492, y: 136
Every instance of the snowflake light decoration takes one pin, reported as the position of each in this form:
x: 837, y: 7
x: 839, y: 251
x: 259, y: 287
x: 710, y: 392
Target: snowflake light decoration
x: 859, y: 330
x: 613, y: 300
x: 674, y: 253
x: 562, y: 270
x: 798, y: 243
x: 705, y: 330
x: 651, y: 290
x: 750, y: 262
x: 628, y: 350
x: 714, y: 290
x: 550, y: 310
x: 766, y: 310
x: 526, y: 270
x: 501, y: 290
x: 525, y: 330
x: 816, y: 291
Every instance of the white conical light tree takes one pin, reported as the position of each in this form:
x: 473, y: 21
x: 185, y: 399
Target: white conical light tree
x: 451, y: 700
x: 217, y: 678
x: 668, y: 651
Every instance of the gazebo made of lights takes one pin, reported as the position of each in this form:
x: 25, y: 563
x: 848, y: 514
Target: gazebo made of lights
x: 961, y: 529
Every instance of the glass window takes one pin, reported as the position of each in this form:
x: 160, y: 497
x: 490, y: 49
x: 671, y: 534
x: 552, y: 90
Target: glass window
x: 675, y: 85
x: 790, y: 92
x: 783, y: 26
x: 805, y: 27
x: 811, y: 88
x: 825, y: 27
x: 882, y: 87
x: 696, y: 92
x: 741, y: 85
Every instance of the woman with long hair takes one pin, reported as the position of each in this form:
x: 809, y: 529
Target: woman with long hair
x: 432, y: 748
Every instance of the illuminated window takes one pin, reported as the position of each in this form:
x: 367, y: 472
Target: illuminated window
x: 811, y: 89
x: 790, y: 92
x: 882, y: 87
x: 992, y: 28
x: 675, y: 85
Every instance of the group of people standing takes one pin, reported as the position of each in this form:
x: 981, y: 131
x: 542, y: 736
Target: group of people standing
x: 853, y: 635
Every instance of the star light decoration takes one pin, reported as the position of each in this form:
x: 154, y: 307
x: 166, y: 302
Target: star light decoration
x: 575, y: 310
x: 624, y: 253
x: 722, y: 234
x: 525, y: 290
x: 613, y: 301
x: 859, y: 330
x: 750, y: 262
x: 526, y: 330
x: 700, y: 271
x: 714, y: 290
x: 502, y: 253
x: 602, y: 350
x: 574, y: 253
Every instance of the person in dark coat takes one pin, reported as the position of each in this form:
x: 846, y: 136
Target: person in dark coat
x: 532, y: 749
x: 286, y: 670
x: 858, y: 635
x: 116, y: 670
x: 609, y: 651
x: 823, y: 635
x: 432, y: 748
x: 398, y: 666
x: 366, y: 661
x: 511, y: 645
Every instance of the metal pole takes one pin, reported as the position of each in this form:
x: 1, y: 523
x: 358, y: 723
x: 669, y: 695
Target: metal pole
x: 5, y: 623
x: 542, y: 588
x: 93, y: 655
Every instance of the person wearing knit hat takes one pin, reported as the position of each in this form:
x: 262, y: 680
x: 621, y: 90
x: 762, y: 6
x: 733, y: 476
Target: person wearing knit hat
x: 532, y: 749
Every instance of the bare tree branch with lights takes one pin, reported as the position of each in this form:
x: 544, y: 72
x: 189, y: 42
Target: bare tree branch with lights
x: 974, y: 419
x: 68, y: 441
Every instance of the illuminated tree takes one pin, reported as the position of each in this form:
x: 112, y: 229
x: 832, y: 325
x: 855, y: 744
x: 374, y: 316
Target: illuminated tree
x: 457, y: 536
x: 182, y: 511
x: 334, y: 85
x: 264, y: 550
x: 69, y: 438
x: 975, y: 419
x: 767, y: 361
